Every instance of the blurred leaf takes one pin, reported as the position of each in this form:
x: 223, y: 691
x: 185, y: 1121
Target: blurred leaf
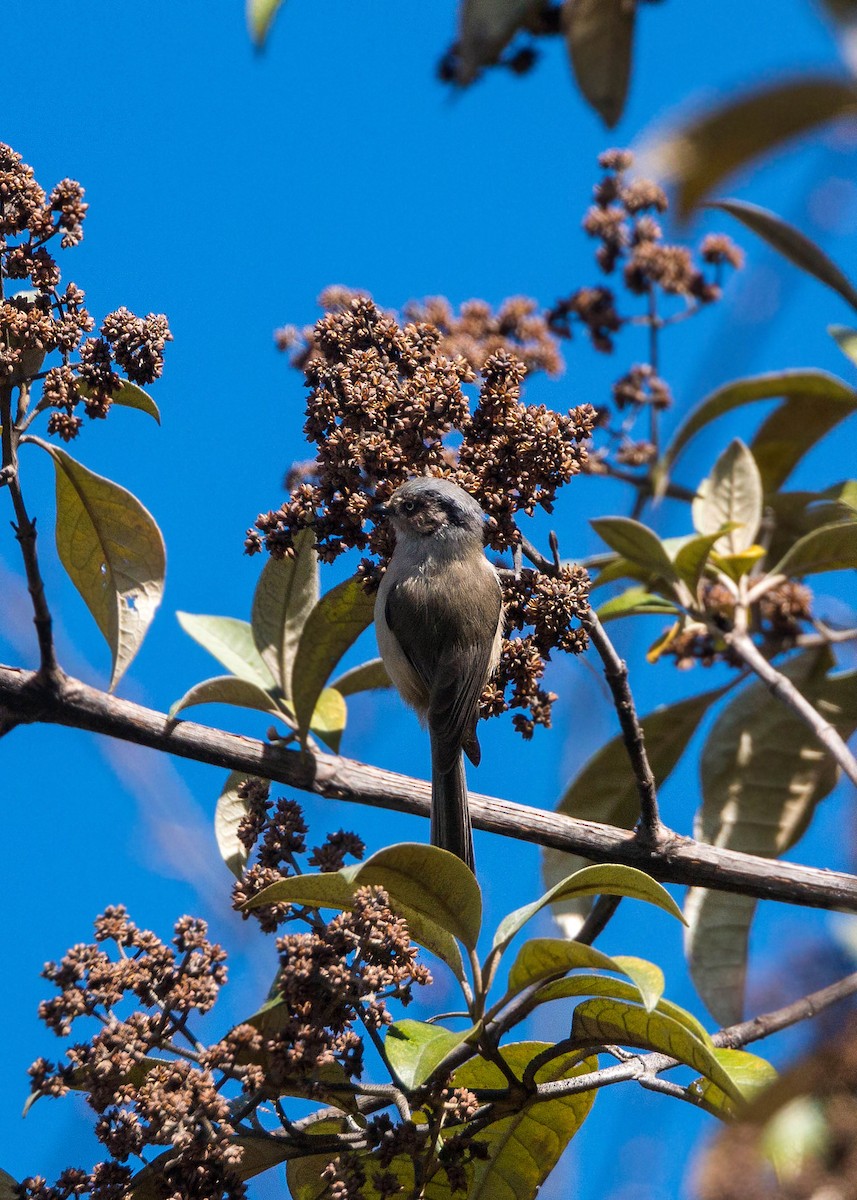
x: 228, y: 689
x: 619, y: 568
x: 796, y: 1134
x: 609, y: 880
x: 601, y: 1022
x: 763, y: 772
x: 790, y: 242
x: 730, y: 496
x: 285, y: 595
x: 748, y: 1072
x: 814, y: 386
x: 542, y: 958
x: 128, y: 396
x: 524, y: 1148
x: 9, y: 1189
x: 792, y: 429
x: 636, y: 601
x: 600, y: 39
x: 113, y: 552
x: 334, y: 624
x: 485, y: 29
x: 691, y: 559
x: 636, y: 542
x: 700, y: 154
x: 415, y: 1049
x: 736, y: 566
x: 230, y: 812
x: 797, y: 513
x: 368, y: 677
x: 846, y: 340
x: 605, y: 790
x: 260, y: 16
x: 828, y: 548
x: 230, y: 641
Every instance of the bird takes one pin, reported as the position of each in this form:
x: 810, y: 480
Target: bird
x: 439, y: 623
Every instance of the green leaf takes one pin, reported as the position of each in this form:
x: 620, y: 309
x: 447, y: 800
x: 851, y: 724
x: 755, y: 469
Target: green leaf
x: 601, y: 1022
x: 329, y: 717
x: 260, y: 17
x: 797, y: 513
x: 620, y: 568
x: 228, y: 689
x: 691, y: 559
x: 736, y: 566
x: 525, y: 1147
x: 368, y: 677
x: 636, y: 542
x: 702, y: 152
x: 791, y: 430
x: 485, y: 28
x: 415, y: 1050
x: 607, y: 880
x: 285, y: 595
x: 230, y: 641
x: 542, y: 958
x: 829, y: 548
x: 812, y: 387
x: 748, y: 1072
x: 763, y: 773
x: 791, y: 243
x: 796, y: 1134
x: 846, y: 340
x: 261, y: 1152
x: 334, y: 624
x: 230, y: 812
x: 617, y: 989
x: 730, y: 496
x: 113, y: 552
x: 128, y: 396
x: 600, y: 39
x: 606, y: 791
x: 648, y: 977
x: 635, y: 601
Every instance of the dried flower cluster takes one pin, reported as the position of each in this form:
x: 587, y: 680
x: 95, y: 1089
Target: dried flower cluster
x: 387, y: 402
x: 42, y: 319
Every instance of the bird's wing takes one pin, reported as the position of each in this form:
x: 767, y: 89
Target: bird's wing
x: 403, y: 621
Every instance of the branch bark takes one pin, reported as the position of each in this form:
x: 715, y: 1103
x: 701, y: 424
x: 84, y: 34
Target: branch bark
x: 676, y: 860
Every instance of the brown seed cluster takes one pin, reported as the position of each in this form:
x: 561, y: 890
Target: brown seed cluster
x: 41, y: 319
x: 387, y: 402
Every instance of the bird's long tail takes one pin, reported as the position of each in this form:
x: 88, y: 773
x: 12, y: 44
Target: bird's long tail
x: 450, y: 816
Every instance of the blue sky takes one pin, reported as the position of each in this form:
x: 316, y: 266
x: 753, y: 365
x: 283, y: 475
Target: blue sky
x: 227, y: 189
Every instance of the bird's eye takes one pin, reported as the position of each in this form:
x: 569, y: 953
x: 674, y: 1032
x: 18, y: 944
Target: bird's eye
x: 409, y: 505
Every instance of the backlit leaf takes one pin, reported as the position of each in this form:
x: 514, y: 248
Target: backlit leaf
x: 285, y: 595
x: 542, y: 958
x: 846, y: 340
x: 128, y: 395
x: 113, y: 552
x: 228, y: 689
x: 637, y: 543
x: 415, y: 1050
x: 260, y: 16
x: 230, y: 812
x: 730, y: 496
x: 627, y: 993
x: 691, y: 559
x: 230, y: 641
x: 600, y: 39
x: 329, y: 717
x: 736, y: 566
x: 748, y: 1072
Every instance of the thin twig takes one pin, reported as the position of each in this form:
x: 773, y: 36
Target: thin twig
x: 677, y: 860
x: 599, y: 915
x: 785, y: 691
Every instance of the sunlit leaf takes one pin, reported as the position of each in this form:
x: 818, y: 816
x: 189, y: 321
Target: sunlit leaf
x: 609, y: 880
x: 260, y: 16
x: 636, y: 542
x: 731, y: 496
x: 791, y: 243
x: 600, y: 38
x: 828, y: 548
x: 524, y: 1148
x: 606, y: 790
x: 543, y: 958
x: 369, y: 676
x: 702, y: 152
x: 128, y: 395
x: 618, y: 989
x: 815, y: 387
x: 334, y: 624
x: 748, y: 1072
x: 329, y: 717
x: 846, y: 340
x: 228, y: 689
x: 485, y: 29
x: 763, y: 773
x: 415, y: 1049
x: 636, y: 601
x: 230, y: 641
x: 230, y: 812
x: 285, y: 595
x: 113, y: 552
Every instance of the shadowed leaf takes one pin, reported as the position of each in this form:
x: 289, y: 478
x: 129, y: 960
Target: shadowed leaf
x: 485, y: 28
x: 828, y: 548
x: 285, y: 595
x: 600, y: 39
x: 228, y: 689
x: 230, y: 812
x: 368, y: 677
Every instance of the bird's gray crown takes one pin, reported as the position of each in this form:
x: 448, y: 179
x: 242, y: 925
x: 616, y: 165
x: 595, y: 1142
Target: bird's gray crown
x: 426, y: 505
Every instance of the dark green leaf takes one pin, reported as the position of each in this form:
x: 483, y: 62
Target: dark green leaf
x: 415, y: 1050
x: 334, y: 624
x: 228, y: 689
x: 636, y: 601
x: 791, y: 243
x: 637, y: 543
x: 828, y: 548
x: 730, y: 497
x: 846, y: 340
x: 113, y: 552
x: 606, y: 791
x: 230, y: 641
x: 369, y: 676
x: 600, y: 39
x: 9, y: 1189
x: 285, y: 595
x: 700, y: 154
x: 230, y: 812
x: 763, y: 774
x: 797, y: 513
x: 128, y: 396
x: 604, y: 879
x: 814, y: 386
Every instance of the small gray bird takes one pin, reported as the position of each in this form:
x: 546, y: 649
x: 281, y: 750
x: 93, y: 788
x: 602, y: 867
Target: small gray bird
x: 439, y: 620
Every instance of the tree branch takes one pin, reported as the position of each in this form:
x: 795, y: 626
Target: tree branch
x: 677, y: 860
